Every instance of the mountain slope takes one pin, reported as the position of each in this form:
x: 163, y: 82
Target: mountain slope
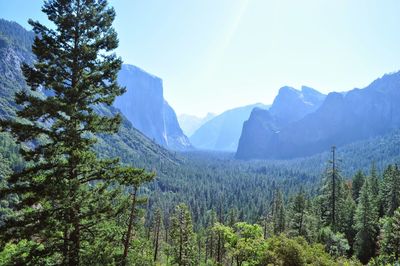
x: 223, y: 131
x: 359, y: 155
x: 289, y: 105
x: 129, y: 144
x: 15, y: 48
x: 144, y: 106
x: 190, y: 123
x: 343, y: 118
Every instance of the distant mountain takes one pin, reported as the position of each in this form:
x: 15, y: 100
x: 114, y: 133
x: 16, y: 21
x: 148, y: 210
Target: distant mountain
x: 129, y: 144
x: 291, y: 105
x: 190, y: 123
x: 342, y: 118
x: 223, y: 131
x: 144, y: 106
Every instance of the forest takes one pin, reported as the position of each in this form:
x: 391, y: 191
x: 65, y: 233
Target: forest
x: 69, y: 197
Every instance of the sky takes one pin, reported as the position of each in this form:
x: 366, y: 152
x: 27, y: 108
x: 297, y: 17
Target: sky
x: 215, y: 55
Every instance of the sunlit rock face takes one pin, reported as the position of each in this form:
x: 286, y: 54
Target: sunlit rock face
x: 144, y: 105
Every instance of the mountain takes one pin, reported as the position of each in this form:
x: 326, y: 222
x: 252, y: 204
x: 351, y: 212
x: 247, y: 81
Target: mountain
x: 15, y: 48
x: 291, y: 105
x: 190, y: 123
x: 144, y: 106
x: 223, y: 131
x: 343, y: 118
x: 129, y: 144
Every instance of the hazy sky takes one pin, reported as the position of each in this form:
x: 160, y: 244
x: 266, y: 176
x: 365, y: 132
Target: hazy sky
x: 218, y: 54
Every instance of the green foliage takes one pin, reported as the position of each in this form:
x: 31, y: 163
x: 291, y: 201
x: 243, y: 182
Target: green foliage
x: 366, y: 224
x: 226, y: 197
x: 332, y: 195
x: 67, y: 198
x: 157, y: 229
x: 358, y: 181
x: 346, y: 223
x: 390, y: 235
x: 390, y: 193
x: 182, y: 236
x: 244, y: 242
x: 299, y: 214
x: 141, y: 253
x: 278, y: 213
x: 282, y: 250
x: 335, y: 243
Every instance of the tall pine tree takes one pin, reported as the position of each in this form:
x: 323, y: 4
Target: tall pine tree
x: 332, y: 194
x: 390, y: 192
x: 65, y: 192
x: 357, y: 183
x: 182, y: 236
x: 366, y: 224
x: 298, y: 214
x: 390, y: 239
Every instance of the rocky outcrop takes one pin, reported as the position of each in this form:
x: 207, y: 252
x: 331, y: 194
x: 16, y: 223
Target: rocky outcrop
x: 144, y: 105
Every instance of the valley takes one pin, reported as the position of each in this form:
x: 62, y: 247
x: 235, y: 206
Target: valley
x: 310, y: 179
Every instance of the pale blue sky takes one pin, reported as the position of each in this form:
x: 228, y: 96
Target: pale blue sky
x: 218, y: 54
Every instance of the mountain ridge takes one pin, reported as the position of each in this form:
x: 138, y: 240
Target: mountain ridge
x: 341, y: 119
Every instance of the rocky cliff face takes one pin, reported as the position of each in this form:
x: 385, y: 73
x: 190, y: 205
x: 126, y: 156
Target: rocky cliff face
x: 342, y: 118
x: 291, y: 105
x: 256, y: 135
x: 144, y: 106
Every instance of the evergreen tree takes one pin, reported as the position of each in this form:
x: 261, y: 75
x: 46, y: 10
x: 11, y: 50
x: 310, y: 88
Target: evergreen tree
x: 157, y: 231
x: 135, y: 178
x: 390, y: 243
x: 5, y: 169
x: 182, y: 236
x: 278, y: 215
x: 346, y: 222
x: 332, y: 195
x: 232, y: 217
x: 66, y: 194
x: 374, y: 181
x: 390, y: 192
x: 366, y: 224
x: 5, y: 204
x: 210, y: 238
x: 298, y: 215
x: 357, y: 183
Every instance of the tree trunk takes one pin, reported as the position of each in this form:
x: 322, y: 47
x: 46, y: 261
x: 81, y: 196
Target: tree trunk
x: 156, y: 240
x: 130, y: 226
